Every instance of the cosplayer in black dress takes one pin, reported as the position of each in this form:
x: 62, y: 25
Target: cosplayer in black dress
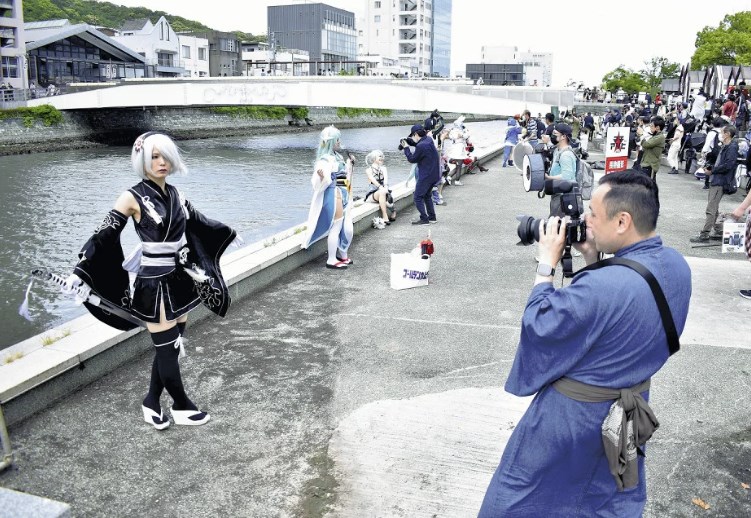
x: 176, y: 264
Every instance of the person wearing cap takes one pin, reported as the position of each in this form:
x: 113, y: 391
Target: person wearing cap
x: 563, y: 166
x: 428, y: 172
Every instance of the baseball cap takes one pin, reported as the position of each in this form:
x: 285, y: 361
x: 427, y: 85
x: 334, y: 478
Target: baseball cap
x: 563, y: 129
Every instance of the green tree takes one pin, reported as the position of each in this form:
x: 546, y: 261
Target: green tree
x: 727, y: 44
x: 624, y: 78
x: 657, y: 69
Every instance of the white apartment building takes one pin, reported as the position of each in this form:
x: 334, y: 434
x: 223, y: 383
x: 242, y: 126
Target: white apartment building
x: 156, y: 42
x: 12, y: 44
x: 538, y: 66
x: 399, y: 29
x: 194, y: 55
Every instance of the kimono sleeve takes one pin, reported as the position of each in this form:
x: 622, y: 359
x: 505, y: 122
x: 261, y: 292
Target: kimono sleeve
x: 554, y: 336
x: 206, y: 241
x: 316, y: 181
x: 100, y: 266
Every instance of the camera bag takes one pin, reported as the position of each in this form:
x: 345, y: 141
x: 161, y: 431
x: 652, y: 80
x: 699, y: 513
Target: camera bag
x: 662, y: 303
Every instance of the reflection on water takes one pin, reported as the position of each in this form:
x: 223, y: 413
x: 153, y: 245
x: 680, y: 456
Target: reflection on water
x: 259, y: 185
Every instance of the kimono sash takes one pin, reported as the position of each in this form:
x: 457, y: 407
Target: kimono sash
x: 629, y: 424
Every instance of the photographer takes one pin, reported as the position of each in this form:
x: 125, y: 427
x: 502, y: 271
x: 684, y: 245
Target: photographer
x: 563, y: 164
x: 428, y: 171
x: 652, y: 144
x: 601, y: 334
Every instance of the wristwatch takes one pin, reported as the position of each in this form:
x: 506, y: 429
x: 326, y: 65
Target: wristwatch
x: 545, y: 270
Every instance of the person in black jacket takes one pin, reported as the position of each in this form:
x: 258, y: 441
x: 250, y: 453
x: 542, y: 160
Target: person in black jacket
x: 428, y: 172
x: 721, y: 173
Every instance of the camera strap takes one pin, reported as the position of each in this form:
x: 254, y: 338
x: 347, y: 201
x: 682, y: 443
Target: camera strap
x: 662, y: 303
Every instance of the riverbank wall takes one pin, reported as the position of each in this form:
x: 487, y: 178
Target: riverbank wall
x: 82, y: 129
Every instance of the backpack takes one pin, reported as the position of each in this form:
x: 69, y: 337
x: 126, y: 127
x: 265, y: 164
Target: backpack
x: 585, y: 178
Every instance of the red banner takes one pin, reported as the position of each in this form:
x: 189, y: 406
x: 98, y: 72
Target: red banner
x: 616, y: 163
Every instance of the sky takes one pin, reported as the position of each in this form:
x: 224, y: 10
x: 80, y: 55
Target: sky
x: 588, y: 38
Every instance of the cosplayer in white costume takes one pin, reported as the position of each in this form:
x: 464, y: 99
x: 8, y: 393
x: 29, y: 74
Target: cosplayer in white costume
x: 330, y: 207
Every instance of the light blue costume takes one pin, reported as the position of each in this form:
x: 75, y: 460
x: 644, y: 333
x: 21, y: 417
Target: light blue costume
x: 604, y: 329
x: 323, y: 205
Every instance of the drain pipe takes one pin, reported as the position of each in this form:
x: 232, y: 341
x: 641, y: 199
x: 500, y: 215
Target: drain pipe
x: 7, y: 459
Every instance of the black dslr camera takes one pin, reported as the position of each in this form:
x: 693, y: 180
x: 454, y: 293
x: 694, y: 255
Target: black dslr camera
x: 572, y: 206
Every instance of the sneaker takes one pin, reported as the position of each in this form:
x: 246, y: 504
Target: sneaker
x: 715, y: 237
x: 699, y: 239
x: 433, y: 220
x: 420, y: 222
x: 457, y: 182
x: 673, y: 171
x: 705, y: 186
x: 746, y: 294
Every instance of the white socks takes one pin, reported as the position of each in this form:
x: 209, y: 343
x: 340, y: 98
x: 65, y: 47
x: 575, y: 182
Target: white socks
x: 333, y: 240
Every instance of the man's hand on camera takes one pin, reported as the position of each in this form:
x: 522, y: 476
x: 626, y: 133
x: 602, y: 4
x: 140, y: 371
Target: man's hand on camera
x: 588, y: 248
x: 552, y: 241
x: 402, y: 144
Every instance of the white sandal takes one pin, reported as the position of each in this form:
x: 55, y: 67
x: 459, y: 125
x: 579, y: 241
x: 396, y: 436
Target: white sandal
x: 190, y: 417
x: 158, y: 421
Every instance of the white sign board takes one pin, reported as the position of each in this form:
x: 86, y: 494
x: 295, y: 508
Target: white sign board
x: 616, y: 149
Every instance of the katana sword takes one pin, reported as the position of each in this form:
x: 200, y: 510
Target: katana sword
x: 85, y: 292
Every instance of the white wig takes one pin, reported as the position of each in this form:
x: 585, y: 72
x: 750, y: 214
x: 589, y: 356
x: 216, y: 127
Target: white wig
x: 373, y: 156
x: 144, y: 146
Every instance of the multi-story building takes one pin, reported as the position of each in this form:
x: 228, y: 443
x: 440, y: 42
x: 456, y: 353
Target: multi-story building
x: 325, y: 32
x: 156, y: 42
x: 510, y: 74
x: 259, y: 58
x: 194, y: 55
x: 417, y: 32
x: 538, y: 66
x: 12, y: 44
x: 224, y: 53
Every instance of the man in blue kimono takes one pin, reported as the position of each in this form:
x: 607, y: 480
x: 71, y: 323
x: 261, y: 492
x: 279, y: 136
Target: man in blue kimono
x: 603, y: 331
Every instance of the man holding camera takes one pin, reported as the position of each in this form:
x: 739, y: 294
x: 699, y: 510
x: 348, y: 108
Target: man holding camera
x: 720, y: 174
x: 652, y: 144
x: 428, y: 171
x: 586, y: 351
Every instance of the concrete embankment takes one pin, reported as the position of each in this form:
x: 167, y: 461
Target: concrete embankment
x: 95, y: 128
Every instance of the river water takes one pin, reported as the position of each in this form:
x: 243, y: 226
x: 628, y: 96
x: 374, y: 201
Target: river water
x: 50, y: 203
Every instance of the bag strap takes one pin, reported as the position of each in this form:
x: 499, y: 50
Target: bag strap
x: 662, y: 303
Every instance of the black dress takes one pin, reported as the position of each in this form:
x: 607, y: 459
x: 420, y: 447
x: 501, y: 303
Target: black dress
x: 178, y: 264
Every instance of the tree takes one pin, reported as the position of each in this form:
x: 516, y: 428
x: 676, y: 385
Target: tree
x: 727, y: 44
x: 657, y: 69
x: 624, y: 78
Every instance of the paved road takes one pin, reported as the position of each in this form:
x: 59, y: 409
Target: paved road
x: 332, y: 394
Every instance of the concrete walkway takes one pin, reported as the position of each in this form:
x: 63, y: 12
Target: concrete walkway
x: 333, y: 395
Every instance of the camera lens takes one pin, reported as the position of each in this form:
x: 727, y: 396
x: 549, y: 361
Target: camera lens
x: 528, y: 229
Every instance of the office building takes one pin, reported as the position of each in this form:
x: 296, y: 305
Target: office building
x: 510, y: 74
x: 538, y: 66
x: 325, y: 32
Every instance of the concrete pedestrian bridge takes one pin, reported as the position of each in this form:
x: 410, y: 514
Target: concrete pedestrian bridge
x: 340, y: 91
